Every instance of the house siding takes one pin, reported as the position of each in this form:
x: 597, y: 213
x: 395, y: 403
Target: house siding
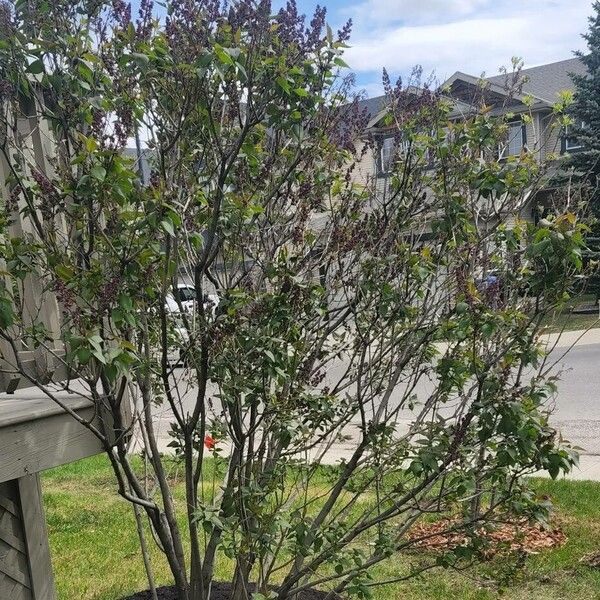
x: 365, y: 168
x: 553, y: 138
x: 543, y: 135
x: 532, y: 136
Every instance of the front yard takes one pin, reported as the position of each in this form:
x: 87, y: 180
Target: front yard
x: 571, y: 322
x: 567, y: 320
x: 96, y: 551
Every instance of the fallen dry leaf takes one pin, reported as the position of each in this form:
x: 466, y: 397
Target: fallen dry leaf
x: 517, y: 536
x: 591, y: 560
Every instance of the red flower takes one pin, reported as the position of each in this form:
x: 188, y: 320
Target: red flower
x: 209, y: 442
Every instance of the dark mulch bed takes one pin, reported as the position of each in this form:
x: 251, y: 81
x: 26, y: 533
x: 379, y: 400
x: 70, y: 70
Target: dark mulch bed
x: 219, y: 591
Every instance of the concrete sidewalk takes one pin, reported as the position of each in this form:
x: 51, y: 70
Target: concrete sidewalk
x: 581, y: 427
x: 584, y: 337
x: 588, y: 469
x: 589, y: 464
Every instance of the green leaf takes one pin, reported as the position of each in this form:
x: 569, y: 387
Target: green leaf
x: 111, y: 372
x: 96, y: 102
x: 222, y: 55
x: 125, y: 302
x: 64, y: 272
x: 283, y: 83
x: 128, y: 345
x: 95, y: 342
x: 36, y: 67
x: 488, y: 329
x: 90, y: 144
x: 167, y: 225
x: 83, y: 355
x: 462, y: 308
x: 98, y: 172
x: 141, y: 59
x: 204, y: 59
x: 6, y: 313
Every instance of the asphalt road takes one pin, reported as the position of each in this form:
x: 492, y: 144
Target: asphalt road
x: 576, y: 407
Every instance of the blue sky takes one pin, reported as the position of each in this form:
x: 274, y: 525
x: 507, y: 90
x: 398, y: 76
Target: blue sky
x: 444, y: 36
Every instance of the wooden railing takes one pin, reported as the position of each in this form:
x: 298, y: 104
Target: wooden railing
x: 37, y: 302
x: 35, y: 432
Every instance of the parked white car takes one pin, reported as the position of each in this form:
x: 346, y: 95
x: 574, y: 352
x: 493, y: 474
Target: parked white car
x: 187, y: 298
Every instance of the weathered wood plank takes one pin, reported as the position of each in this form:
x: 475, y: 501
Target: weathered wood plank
x: 37, y: 301
x: 12, y: 540
x: 35, y: 432
x: 36, y: 538
x: 13, y: 590
x: 8, y: 505
x: 30, y: 404
x: 11, y: 570
x: 32, y: 446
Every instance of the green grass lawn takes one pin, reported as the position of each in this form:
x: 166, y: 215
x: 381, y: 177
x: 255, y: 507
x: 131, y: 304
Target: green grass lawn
x: 96, y: 552
x: 570, y: 322
x: 566, y: 320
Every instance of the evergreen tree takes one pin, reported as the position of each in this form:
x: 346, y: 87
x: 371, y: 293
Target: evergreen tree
x: 586, y: 111
x: 584, y: 164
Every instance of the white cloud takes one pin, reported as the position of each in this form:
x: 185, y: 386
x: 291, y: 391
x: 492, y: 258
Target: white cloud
x: 539, y: 31
x: 412, y: 10
x: 372, y: 89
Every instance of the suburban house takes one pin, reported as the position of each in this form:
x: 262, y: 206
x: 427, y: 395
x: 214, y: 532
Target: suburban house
x: 538, y: 90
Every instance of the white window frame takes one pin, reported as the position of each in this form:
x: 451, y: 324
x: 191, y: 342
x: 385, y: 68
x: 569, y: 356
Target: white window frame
x: 393, y: 144
x: 388, y: 146
x: 577, y: 145
x: 503, y: 149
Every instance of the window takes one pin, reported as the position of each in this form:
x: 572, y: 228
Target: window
x: 571, y: 141
x: 515, y: 140
x: 388, y: 152
x: 388, y: 145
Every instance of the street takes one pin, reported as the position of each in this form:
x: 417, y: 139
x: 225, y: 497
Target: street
x: 576, y: 408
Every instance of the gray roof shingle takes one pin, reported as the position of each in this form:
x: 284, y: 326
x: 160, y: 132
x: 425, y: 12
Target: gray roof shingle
x: 372, y: 105
x: 543, y: 82
x: 546, y: 81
